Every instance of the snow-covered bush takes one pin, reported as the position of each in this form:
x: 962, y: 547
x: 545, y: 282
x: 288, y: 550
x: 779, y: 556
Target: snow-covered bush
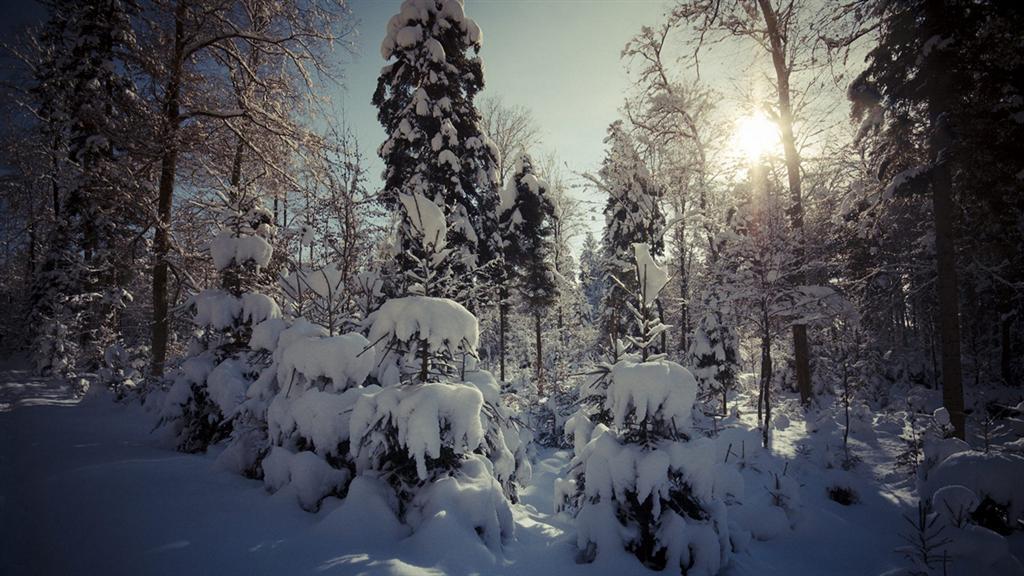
x: 639, y: 480
x: 123, y: 368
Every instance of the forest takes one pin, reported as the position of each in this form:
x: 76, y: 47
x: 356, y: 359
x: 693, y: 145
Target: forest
x: 291, y: 286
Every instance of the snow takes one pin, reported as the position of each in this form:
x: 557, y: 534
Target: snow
x: 507, y: 197
x: 444, y: 324
x: 405, y: 29
x: 305, y: 474
x: 475, y: 500
x: 448, y: 157
x: 434, y: 49
x: 227, y: 249
x: 259, y: 307
x: 216, y: 309
x: 88, y: 474
x: 321, y: 418
x: 652, y: 277
x: 345, y: 360
x: 425, y: 416
x: 227, y: 385
x: 995, y: 475
x: 427, y: 219
x: 265, y: 334
x: 660, y: 388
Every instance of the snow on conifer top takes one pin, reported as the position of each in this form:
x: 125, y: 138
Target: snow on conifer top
x: 443, y: 323
x: 427, y: 219
x: 660, y: 389
x: 406, y: 29
x: 652, y: 277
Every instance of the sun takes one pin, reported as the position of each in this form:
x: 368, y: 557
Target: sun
x: 755, y: 136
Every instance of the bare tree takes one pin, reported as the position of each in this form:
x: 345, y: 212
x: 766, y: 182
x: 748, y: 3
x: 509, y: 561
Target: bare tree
x: 513, y: 130
x: 192, y: 44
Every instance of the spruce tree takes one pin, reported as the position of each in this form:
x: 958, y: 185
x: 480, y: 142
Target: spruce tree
x: 633, y: 215
x: 434, y: 144
x: 220, y: 367
x: 590, y: 274
x: 526, y: 219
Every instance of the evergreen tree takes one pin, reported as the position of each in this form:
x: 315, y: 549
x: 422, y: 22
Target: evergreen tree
x: 713, y: 354
x: 434, y: 144
x: 525, y: 220
x: 633, y: 215
x: 590, y: 275
x: 938, y: 99
x: 639, y: 413
x: 87, y: 105
x: 221, y: 366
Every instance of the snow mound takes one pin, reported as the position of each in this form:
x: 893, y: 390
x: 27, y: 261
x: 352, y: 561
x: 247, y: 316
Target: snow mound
x: 308, y: 475
x: 994, y: 475
x: 472, y: 500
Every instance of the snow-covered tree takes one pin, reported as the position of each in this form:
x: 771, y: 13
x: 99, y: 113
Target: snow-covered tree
x: 434, y: 144
x: 526, y: 216
x: 591, y: 281
x: 713, y: 356
x: 636, y: 482
x: 434, y: 429
x: 213, y: 381
x: 86, y: 104
x: 632, y: 215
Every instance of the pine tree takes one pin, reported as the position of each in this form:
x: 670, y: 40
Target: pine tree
x: 938, y: 126
x: 642, y: 407
x: 633, y: 215
x: 713, y: 354
x: 434, y: 144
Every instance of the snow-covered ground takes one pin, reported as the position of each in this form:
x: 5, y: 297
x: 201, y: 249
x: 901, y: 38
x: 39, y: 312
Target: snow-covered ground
x: 86, y: 489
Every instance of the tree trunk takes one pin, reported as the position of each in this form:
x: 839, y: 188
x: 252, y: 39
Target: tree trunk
x: 766, y: 377
x: 168, y: 167
x: 942, y: 205
x: 1006, y: 350
x: 540, y: 355
x: 502, y: 328
x: 776, y: 37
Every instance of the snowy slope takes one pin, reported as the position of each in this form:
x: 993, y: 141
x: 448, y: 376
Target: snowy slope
x: 85, y: 489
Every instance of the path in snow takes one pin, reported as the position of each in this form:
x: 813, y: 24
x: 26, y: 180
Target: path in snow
x: 18, y: 387
x: 85, y: 489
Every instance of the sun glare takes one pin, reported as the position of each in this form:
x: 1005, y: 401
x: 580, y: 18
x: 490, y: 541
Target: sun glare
x: 755, y: 136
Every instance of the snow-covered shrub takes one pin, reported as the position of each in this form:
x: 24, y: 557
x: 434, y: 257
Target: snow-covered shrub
x: 639, y: 479
x: 123, y: 368
x: 993, y: 477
